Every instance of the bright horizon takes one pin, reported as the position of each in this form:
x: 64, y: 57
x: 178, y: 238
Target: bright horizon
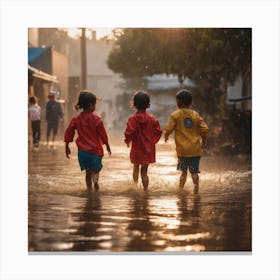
x: 100, y: 32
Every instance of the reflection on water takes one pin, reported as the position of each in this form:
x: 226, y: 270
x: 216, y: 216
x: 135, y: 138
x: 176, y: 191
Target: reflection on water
x: 122, y: 218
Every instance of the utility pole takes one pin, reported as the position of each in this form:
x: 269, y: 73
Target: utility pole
x: 83, y: 60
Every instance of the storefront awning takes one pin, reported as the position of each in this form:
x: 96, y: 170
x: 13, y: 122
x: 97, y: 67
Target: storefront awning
x: 42, y: 75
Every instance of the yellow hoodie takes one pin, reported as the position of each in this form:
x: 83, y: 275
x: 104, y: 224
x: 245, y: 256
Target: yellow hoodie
x: 189, y: 127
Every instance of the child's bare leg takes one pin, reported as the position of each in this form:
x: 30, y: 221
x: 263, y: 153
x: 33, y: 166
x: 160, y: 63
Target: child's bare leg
x: 144, y: 176
x: 88, y: 179
x: 183, y: 179
x: 195, y: 179
x: 48, y: 135
x: 135, y: 172
x: 53, y: 139
x: 95, y: 177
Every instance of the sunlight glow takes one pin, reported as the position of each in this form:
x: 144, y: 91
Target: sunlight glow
x: 63, y: 246
x: 188, y: 248
x: 171, y: 223
x: 165, y: 206
x: 105, y: 245
x: 76, y: 32
x: 100, y: 32
x: 191, y: 237
x: 195, y: 248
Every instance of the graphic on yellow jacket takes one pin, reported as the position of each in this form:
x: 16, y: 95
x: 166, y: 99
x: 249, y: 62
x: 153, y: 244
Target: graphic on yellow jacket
x: 189, y: 127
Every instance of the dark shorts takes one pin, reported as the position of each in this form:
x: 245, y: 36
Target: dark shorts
x: 52, y: 126
x: 191, y: 163
x: 36, y: 131
x: 89, y: 161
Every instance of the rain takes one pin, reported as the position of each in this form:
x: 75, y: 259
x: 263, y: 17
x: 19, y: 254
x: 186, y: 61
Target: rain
x: 63, y: 216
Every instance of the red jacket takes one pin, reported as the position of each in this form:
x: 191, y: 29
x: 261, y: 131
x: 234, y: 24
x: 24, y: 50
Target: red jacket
x: 143, y: 130
x: 91, y: 133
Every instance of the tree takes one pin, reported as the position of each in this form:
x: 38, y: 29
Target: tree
x: 211, y: 57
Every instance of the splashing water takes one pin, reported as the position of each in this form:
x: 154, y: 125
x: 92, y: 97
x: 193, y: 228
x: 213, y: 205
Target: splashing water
x: 121, y: 217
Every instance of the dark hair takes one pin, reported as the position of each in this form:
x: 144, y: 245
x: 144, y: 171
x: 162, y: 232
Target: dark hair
x: 85, y: 99
x: 141, y: 100
x: 32, y: 100
x: 184, y: 96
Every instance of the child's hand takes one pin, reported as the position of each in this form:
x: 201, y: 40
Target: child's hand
x: 165, y: 136
x: 126, y: 142
x: 108, y: 149
x: 204, y: 143
x: 67, y: 151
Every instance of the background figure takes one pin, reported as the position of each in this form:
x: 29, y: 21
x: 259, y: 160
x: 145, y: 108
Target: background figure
x: 53, y: 115
x: 34, y: 112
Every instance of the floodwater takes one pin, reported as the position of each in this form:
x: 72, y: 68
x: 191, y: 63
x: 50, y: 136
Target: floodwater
x: 121, y: 217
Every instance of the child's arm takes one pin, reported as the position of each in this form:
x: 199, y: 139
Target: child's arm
x: 204, y: 141
x: 60, y: 111
x: 204, y: 131
x: 104, y: 137
x: 108, y: 149
x: 157, y: 131
x: 129, y: 131
x: 169, y: 128
x: 165, y: 136
x: 67, y: 150
x: 68, y: 137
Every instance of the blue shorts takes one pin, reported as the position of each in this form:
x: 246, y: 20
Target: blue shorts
x: 89, y: 161
x: 191, y: 163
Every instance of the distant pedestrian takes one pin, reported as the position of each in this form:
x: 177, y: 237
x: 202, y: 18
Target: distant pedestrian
x: 53, y: 116
x: 191, y: 134
x: 34, y: 112
x: 143, y: 132
x: 91, y: 136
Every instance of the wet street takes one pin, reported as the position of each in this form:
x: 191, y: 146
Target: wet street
x: 121, y: 217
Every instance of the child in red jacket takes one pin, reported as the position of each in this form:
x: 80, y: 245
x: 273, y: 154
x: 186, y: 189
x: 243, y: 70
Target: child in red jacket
x: 143, y: 131
x: 91, y: 136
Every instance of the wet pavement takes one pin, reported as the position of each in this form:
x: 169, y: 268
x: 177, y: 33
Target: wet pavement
x: 121, y: 217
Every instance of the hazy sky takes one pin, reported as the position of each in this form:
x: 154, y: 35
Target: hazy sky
x: 100, y: 32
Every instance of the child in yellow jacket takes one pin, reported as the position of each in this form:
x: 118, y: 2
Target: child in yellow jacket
x: 191, y: 134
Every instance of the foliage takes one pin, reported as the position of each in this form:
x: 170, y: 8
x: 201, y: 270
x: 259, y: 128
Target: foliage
x: 205, y: 55
x: 211, y: 57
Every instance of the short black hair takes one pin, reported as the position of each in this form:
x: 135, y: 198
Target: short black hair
x: 32, y: 100
x: 185, y: 96
x: 85, y: 99
x: 141, y: 100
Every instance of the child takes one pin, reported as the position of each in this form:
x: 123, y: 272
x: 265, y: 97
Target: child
x: 143, y: 131
x: 34, y: 112
x: 91, y: 136
x: 190, y: 137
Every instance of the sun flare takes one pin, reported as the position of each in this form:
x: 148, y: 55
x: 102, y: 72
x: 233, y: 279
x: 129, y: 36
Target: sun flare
x: 100, y: 32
